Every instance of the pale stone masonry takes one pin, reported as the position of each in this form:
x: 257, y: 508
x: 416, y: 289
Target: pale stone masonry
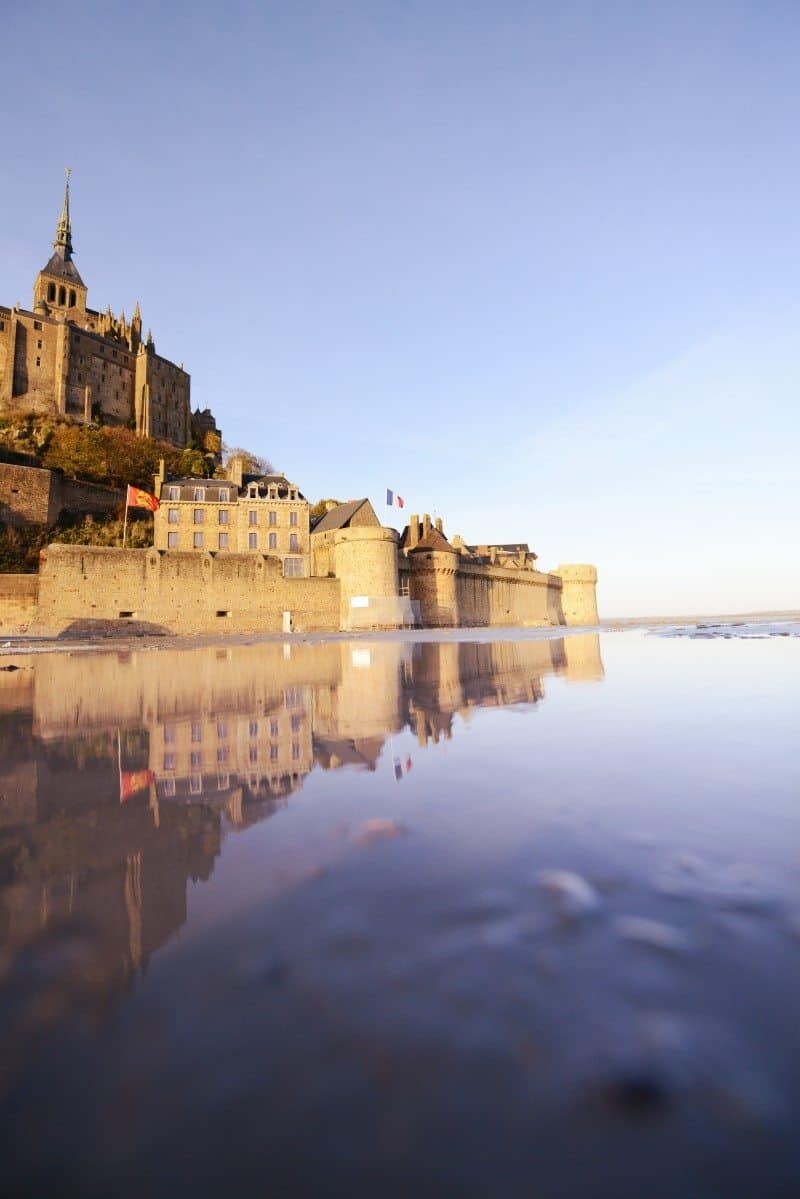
x: 66, y: 359
x: 264, y: 514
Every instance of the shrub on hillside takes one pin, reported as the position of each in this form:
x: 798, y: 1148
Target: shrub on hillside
x: 117, y: 456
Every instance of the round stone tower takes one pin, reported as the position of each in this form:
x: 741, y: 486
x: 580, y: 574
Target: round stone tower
x: 365, y: 562
x: 578, y: 593
x: 432, y: 579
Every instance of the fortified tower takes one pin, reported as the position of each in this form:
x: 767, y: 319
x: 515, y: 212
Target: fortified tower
x: 433, y: 563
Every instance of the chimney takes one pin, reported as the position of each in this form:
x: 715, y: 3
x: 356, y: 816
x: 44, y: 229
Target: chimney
x: 159, y: 478
x: 235, y: 470
x: 426, y: 525
x: 438, y: 524
x: 413, y: 532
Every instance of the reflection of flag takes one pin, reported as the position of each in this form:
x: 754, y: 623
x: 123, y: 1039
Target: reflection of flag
x: 131, y: 782
x: 401, y: 767
x: 137, y: 498
x: 394, y: 501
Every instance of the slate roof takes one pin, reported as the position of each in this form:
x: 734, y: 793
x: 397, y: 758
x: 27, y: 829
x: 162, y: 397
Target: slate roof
x: 63, y: 268
x: 434, y: 540
x: 338, y: 517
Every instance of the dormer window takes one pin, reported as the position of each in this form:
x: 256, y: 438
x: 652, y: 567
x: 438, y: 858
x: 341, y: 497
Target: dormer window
x: 252, y: 491
x: 174, y: 493
x: 224, y: 495
x: 200, y: 493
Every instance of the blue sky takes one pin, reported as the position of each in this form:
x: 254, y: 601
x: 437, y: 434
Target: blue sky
x: 534, y: 266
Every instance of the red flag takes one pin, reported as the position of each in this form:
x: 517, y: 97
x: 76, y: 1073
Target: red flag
x: 140, y: 499
x: 131, y: 782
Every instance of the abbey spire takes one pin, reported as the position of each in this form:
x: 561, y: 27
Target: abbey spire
x: 63, y: 242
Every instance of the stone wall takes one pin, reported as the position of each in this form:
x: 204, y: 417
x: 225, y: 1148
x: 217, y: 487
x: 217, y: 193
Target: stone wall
x: 184, y: 593
x: 18, y: 602
x: 24, y: 495
x: 578, y: 594
x: 31, y: 495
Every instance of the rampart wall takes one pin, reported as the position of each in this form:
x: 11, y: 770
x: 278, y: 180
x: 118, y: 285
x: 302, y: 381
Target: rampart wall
x: 18, y: 602
x: 32, y: 495
x: 184, y: 593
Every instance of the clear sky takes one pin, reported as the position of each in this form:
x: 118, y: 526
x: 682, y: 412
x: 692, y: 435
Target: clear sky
x: 534, y: 266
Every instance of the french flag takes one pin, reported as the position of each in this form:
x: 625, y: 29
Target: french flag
x: 401, y: 766
x: 394, y: 501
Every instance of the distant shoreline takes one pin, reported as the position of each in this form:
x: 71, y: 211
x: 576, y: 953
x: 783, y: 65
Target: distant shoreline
x: 699, y: 618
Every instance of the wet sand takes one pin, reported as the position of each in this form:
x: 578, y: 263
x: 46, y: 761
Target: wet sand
x: 462, y: 914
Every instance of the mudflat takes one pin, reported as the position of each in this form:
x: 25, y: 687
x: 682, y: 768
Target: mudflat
x: 465, y: 913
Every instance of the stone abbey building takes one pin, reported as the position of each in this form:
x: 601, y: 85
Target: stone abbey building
x: 66, y: 359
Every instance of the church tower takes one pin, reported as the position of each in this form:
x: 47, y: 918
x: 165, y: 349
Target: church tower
x: 59, y: 289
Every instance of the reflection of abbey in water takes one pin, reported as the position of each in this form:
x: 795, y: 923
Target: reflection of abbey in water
x: 212, y: 738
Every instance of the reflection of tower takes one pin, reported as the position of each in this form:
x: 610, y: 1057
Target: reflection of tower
x: 583, y: 661
x: 436, y: 690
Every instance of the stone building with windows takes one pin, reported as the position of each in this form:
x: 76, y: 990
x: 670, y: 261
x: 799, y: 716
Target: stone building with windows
x: 66, y: 359
x: 246, y: 514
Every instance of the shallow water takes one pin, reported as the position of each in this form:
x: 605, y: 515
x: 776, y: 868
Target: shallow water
x: 465, y: 917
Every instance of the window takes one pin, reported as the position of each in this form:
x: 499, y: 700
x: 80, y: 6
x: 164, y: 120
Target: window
x: 174, y: 493
x: 199, y: 515
x: 252, y: 517
x: 293, y: 568
x: 169, y: 761
x: 172, y: 515
x: 252, y: 491
x: 253, y: 728
x: 222, y: 729
x: 293, y: 517
x: 273, y: 541
x: 38, y: 361
x: 294, y: 542
x: 195, y: 784
x: 168, y: 787
x: 172, y: 541
x: 223, y: 541
x: 295, y: 751
x: 51, y: 292
x: 37, y: 324
x: 273, y: 519
x: 273, y: 728
x: 199, y: 493
x: 198, y: 541
x: 197, y: 731
x: 252, y: 541
x: 196, y: 758
x: 169, y: 734
x: 222, y: 755
x: 223, y: 516
x: 273, y: 753
x: 224, y: 495
x: 72, y: 299
x: 62, y: 295
x: 223, y: 782
x: 39, y: 344
x: 253, y: 754
x: 296, y: 723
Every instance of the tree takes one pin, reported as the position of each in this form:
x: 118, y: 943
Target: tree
x: 252, y: 464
